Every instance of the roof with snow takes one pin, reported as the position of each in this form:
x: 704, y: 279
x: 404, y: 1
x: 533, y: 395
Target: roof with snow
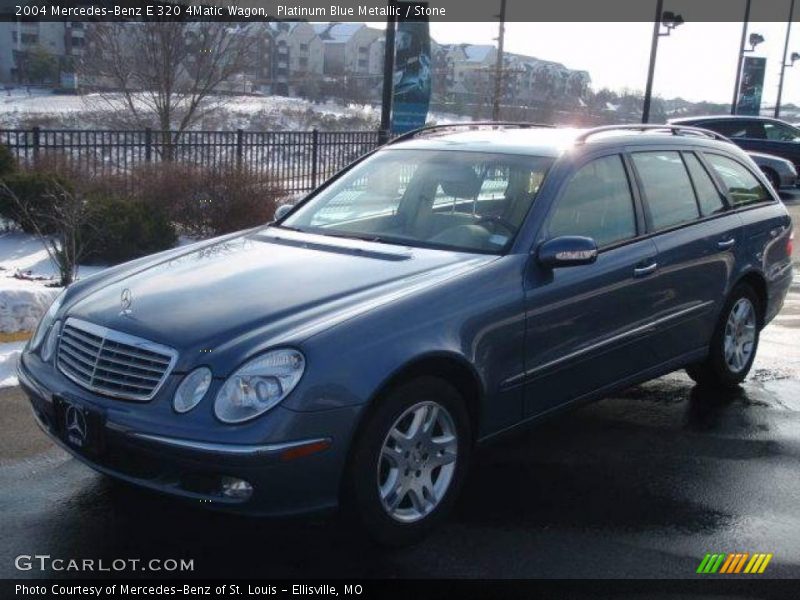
x: 477, y: 53
x: 337, y: 33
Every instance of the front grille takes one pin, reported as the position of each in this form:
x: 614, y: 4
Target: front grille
x: 113, y: 363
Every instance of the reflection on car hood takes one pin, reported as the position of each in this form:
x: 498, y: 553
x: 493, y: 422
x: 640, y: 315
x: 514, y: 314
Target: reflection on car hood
x: 760, y: 156
x: 271, y: 284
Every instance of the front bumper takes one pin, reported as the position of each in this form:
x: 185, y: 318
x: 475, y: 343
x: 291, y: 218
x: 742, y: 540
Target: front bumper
x: 285, y: 478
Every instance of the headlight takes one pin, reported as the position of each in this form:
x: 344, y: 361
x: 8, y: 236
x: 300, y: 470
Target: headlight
x: 51, y: 342
x: 44, y: 324
x: 259, y: 385
x: 192, y: 389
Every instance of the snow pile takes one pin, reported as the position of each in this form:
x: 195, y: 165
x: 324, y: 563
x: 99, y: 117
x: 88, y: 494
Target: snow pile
x: 26, y: 278
x: 21, y: 309
x: 9, y: 355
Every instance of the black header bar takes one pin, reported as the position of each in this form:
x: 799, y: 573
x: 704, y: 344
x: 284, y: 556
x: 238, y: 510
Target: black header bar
x: 254, y: 11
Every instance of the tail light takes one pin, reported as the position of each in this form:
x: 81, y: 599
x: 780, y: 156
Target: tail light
x: 790, y: 244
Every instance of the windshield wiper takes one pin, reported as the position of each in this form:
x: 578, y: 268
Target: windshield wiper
x: 289, y: 228
x: 351, y: 236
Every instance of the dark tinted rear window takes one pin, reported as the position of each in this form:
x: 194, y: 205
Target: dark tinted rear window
x: 731, y: 129
x: 667, y: 188
x: 708, y: 195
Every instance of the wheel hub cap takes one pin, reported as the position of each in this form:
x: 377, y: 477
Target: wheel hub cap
x: 417, y: 462
x: 740, y: 335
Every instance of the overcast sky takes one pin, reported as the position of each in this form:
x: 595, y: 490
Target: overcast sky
x: 697, y: 62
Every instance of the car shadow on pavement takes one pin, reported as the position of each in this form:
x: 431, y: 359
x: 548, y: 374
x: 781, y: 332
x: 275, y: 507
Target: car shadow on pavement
x: 629, y: 463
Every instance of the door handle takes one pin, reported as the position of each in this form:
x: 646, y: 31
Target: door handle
x: 725, y: 244
x: 646, y: 270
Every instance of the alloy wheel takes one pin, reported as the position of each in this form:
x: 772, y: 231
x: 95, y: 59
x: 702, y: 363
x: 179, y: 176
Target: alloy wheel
x: 740, y: 335
x: 417, y: 462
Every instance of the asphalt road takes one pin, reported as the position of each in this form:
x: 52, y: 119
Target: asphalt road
x: 640, y: 485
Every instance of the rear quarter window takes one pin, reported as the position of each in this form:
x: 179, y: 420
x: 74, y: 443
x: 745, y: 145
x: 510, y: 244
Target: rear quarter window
x: 742, y: 185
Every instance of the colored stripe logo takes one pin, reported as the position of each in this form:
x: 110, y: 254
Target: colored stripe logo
x: 734, y: 563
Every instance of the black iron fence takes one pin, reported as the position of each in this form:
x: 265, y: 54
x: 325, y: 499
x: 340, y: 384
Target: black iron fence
x: 296, y: 160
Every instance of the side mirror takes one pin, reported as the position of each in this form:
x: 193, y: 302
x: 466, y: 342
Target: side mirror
x: 282, y: 211
x: 567, y: 251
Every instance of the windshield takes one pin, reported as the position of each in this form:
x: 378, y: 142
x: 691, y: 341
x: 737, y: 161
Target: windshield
x: 472, y: 201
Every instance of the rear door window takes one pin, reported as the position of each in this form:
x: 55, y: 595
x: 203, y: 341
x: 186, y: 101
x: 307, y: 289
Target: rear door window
x: 743, y: 187
x: 731, y: 129
x: 667, y: 188
x: 596, y: 203
x: 708, y: 196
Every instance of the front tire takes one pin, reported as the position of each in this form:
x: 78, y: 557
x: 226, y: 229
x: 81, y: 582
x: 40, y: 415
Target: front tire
x: 734, y: 342
x: 408, y: 462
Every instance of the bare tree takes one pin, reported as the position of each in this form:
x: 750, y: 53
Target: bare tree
x: 69, y: 219
x: 164, y: 74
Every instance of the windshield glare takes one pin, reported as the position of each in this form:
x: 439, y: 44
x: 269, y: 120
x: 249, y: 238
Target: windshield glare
x: 472, y: 201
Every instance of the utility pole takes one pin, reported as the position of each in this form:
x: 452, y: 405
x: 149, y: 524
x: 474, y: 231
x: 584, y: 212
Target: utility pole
x: 783, y: 62
x: 498, y: 67
x: 648, y: 91
x: 388, y: 79
x: 741, y: 58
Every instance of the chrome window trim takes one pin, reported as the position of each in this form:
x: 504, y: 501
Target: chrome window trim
x: 113, y: 335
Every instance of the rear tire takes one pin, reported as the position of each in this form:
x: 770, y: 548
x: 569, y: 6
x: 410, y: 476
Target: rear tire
x: 734, y: 343
x: 408, y: 462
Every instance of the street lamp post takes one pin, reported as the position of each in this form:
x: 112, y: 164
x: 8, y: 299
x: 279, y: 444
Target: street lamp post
x: 498, y: 69
x: 384, y: 133
x: 741, y: 58
x: 670, y: 21
x: 783, y: 62
x: 794, y: 58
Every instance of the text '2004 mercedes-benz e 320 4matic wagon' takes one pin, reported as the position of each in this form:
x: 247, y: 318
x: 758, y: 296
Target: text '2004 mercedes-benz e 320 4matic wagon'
x: 452, y: 285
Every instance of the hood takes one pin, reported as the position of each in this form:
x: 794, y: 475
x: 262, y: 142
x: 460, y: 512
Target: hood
x: 767, y: 158
x: 263, y: 287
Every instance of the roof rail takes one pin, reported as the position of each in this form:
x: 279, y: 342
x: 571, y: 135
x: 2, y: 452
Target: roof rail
x: 466, y: 125
x: 666, y: 127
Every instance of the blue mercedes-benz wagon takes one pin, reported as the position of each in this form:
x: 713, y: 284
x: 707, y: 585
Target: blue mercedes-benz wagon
x: 458, y: 283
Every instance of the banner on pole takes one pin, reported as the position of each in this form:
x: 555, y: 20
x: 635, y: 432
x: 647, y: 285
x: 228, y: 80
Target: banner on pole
x: 751, y: 87
x: 412, y: 69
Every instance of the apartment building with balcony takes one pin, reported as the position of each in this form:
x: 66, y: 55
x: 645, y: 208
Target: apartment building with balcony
x: 289, y: 58
x: 19, y: 40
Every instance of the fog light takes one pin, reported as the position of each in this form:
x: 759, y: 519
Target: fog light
x: 235, y: 488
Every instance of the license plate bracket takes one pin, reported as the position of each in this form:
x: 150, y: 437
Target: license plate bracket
x: 79, y: 427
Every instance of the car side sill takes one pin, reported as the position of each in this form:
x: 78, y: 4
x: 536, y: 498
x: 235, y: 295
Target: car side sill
x: 641, y: 377
x: 622, y: 337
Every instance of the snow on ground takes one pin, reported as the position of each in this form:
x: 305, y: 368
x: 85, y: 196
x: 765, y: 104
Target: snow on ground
x: 23, y: 301
x: 9, y: 355
x: 18, y: 108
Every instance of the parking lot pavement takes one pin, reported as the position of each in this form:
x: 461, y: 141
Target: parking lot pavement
x: 640, y: 485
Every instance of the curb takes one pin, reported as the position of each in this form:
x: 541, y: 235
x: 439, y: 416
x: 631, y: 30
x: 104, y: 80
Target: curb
x: 17, y: 336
